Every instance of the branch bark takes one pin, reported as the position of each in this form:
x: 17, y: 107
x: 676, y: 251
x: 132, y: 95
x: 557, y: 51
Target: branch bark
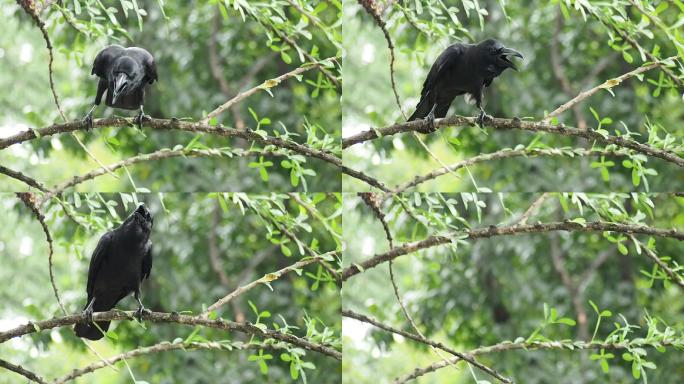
x: 22, y: 371
x: 516, y: 123
x: 503, y: 154
x: 174, y: 317
x: 483, y: 233
x: 547, y: 345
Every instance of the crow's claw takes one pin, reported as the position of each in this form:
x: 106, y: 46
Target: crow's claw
x: 139, y: 119
x: 88, y: 312
x: 430, y: 119
x: 88, y: 121
x: 481, y: 118
x: 139, y: 313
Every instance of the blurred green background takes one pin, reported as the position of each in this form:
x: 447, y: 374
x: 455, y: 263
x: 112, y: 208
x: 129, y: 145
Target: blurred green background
x: 204, y: 246
x: 206, y: 52
x: 478, y: 293
x: 587, y: 53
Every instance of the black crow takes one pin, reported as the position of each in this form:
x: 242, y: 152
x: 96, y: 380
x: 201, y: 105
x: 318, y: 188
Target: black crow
x: 120, y: 262
x: 461, y: 69
x: 123, y: 73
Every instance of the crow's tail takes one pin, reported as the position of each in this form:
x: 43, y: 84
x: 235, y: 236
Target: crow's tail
x: 90, y: 331
x: 422, y: 109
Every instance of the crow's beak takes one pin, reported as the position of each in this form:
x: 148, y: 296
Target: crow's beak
x: 120, y: 84
x: 506, y: 53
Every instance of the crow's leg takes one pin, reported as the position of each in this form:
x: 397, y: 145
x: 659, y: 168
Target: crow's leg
x: 139, y: 119
x: 481, y: 117
x: 139, y: 312
x: 430, y: 119
x: 88, y: 311
x: 88, y: 119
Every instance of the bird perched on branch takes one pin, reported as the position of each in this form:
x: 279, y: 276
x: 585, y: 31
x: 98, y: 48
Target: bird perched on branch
x: 461, y: 69
x: 124, y: 73
x: 120, y: 262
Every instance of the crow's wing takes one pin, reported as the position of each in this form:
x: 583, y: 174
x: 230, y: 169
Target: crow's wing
x: 147, y: 263
x: 99, y: 258
x: 442, y: 65
x: 104, y: 59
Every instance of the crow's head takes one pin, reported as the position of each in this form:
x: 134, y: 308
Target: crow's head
x: 124, y: 77
x: 496, y: 57
x: 143, y: 218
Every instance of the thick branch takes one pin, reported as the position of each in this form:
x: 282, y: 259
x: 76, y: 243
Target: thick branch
x: 174, y: 317
x: 515, y: 123
x: 483, y: 233
x: 461, y: 356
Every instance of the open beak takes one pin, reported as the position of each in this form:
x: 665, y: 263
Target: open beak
x: 506, y: 54
x: 120, y: 84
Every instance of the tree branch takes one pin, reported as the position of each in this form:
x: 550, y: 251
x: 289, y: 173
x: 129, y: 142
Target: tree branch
x: 267, y: 278
x: 174, y: 317
x: 503, y: 154
x: 174, y: 124
x: 559, y: 73
x: 536, y: 345
x: 676, y: 278
x: 608, y: 84
x: 29, y: 200
x: 22, y: 371
x: 157, y: 348
x: 515, y: 123
x: 532, y: 209
x: 263, y: 86
x: 460, y: 356
x: 23, y: 178
x: 157, y: 155
x: 483, y: 233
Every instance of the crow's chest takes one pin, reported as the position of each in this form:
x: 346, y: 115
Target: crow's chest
x: 124, y: 264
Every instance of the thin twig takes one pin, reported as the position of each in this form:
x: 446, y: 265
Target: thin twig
x: 162, y: 347
x: 157, y: 155
x: 29, y: 8
x: 29, y: 199
x: 536, y: 345
x: 22, y: 371
x: 374, y: 203
x: 504, y: 154
x: 608, y: 84
x: 675, y: 278
x: 559, y: 73
x: 23, y: 178
x: 533, y: 208
x: 461, y: 356
x: 217, y: 70
x: 266, y: 279
x: 263, y: 86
